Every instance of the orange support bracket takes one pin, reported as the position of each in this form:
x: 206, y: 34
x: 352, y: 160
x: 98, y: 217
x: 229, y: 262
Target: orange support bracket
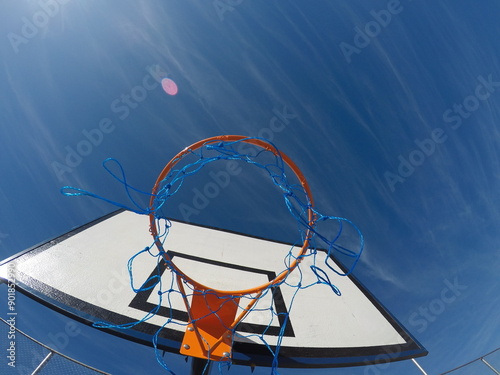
x: 209, y: 333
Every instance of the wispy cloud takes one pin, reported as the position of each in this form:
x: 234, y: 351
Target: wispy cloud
x: 383, y: 271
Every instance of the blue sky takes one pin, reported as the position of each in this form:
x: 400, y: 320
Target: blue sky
x: 392, y: 111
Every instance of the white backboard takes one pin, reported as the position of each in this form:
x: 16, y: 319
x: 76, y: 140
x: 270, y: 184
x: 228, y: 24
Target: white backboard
x: 84, y: 274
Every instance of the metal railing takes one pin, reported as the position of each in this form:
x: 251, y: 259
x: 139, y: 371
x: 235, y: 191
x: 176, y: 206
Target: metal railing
x: 481, y: 362
x: 51, y: 361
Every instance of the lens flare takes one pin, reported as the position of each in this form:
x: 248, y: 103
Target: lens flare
x: 169, y: 86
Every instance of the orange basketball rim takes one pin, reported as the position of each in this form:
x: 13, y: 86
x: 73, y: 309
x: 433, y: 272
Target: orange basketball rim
x: 213, y: 313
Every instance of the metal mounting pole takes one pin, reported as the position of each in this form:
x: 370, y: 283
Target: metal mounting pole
x: 419, y: 367
x: 490, y: 366
x: 198, y: 366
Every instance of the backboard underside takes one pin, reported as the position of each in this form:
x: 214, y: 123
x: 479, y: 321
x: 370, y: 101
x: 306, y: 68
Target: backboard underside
x: 84, y: 274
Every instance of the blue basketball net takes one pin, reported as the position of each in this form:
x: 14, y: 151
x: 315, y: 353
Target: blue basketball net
x: 323, y: 252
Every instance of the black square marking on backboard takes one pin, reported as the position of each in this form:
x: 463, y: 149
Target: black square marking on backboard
x: 140, y: 301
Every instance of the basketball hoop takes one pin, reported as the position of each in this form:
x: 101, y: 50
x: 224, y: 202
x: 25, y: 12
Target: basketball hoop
x: 213, y: 314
